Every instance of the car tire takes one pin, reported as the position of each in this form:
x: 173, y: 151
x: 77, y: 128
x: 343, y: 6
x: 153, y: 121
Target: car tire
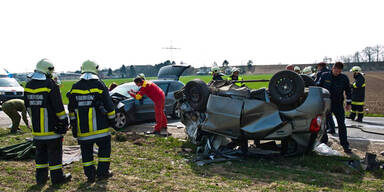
x: 285, y: 88
x: 122, y: 120
x: 197, y: 93
x: 308, y: 81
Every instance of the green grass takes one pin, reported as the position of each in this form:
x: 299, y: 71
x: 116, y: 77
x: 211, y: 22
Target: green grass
x: 159, y: 164
x: 66, y: 85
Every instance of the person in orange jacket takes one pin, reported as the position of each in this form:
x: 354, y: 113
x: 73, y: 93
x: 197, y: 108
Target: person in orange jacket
x: 157, y: 95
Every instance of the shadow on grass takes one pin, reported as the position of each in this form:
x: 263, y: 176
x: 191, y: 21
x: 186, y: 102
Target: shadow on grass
x: 99, y: 185
x: 35, y: 187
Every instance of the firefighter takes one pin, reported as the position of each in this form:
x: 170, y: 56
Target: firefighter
x: 321, y: 68
x: 91, y: 113
x: 337, y: 83
x: 43, y: 101
x: 235, y: 76
x: 216, y: 75
x: 358, y: 94
x: 12, y: 108
x: 156, y: 94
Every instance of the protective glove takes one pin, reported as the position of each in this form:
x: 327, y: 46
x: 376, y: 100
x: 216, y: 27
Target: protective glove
x: 62, y: 126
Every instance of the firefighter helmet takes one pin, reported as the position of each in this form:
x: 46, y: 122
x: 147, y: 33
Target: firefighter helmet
x: 297, y: 69
x: 89, y: 67
x: 235, y: 69
x: 356, y: 69
x: 45, y: 66
x: 215, y: 69
x: 307, y: 70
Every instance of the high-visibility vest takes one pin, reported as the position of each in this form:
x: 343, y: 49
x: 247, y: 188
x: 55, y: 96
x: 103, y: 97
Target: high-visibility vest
x: 238, y: 79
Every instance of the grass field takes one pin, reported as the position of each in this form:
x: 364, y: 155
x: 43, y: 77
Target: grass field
x: 66, y: 86
x: 161, y: 164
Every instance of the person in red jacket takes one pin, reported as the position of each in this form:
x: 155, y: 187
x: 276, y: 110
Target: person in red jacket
x: 157, y: 96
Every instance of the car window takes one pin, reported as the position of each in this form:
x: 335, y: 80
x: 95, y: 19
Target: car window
x: 9, y: 82
x: 163, y: 86
x: 124, y: 88
x: 174, y: 86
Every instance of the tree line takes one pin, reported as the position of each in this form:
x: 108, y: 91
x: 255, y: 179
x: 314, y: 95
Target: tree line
x: 368, y: 54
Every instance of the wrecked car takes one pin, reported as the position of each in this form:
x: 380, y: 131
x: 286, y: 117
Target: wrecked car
x: 223, y: 114
x: 129, y: 110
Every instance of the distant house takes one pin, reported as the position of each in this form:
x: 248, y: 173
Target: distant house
x: 203, y: 71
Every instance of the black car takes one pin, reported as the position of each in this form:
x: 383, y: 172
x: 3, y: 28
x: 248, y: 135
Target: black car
x: 130, y: 110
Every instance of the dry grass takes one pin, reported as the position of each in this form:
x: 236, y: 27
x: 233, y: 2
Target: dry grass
x: 160, y: 164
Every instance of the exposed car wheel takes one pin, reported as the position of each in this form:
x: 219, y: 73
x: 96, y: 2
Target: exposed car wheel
x: 308, y: 81
x: 197, y: 93
x: 286, y: 87
x: 122, y: 120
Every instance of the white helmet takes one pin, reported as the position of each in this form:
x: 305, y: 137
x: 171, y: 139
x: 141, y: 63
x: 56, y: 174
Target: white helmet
x: 297, y: 69
x: 90, y: 67
x: 215, y: 69
x: 45, y: 66
x: 307, y: 70
x: 235, y: 69
x: 356, y: 69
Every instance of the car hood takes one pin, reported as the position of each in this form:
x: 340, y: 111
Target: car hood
x: 172, y: 72
x: 19, y: 89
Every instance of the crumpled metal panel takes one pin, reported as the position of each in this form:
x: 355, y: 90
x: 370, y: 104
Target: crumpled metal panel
x: 260, y: 118
x: 315, y: 103
x: 223, y: 115
x: 229, y: 90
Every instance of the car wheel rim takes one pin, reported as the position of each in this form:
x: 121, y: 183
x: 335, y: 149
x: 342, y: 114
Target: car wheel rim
x: 195, y: 95
x: 177, y: 113
x: 121, y: 120
x: 285, y: 86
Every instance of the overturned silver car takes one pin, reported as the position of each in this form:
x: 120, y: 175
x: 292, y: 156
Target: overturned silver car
x: 221, y: 112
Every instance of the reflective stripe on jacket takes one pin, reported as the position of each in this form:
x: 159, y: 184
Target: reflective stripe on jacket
x: 358, y: 89
x: 91, y: 106
x: 230, y: 78
x: 43, y: 101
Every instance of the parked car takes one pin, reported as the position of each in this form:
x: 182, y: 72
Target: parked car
x: 130, y: 110
x: 221, y: 111
x: 10, y: 89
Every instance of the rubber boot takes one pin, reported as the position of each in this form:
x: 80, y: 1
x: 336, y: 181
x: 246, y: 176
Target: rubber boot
x: 360, y: 118
x: 352, y: 116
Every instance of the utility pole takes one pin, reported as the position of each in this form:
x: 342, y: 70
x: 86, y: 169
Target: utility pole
x: 171, y: 48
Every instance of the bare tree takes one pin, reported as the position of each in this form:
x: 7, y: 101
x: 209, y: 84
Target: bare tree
x: 382, y: 53
x: 356, y: 57
x: 346, y: 59
x: 368, y: 52
x: 327, y: 59
x: 377, y: 51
